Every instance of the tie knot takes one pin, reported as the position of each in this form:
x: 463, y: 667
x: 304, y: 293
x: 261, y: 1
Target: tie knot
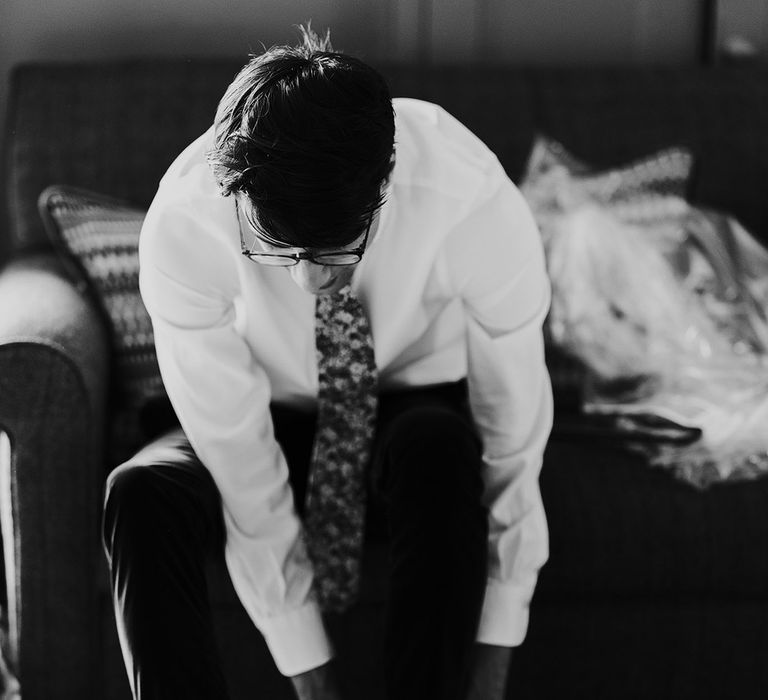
x: 345, y: 293
x: 342, y: 300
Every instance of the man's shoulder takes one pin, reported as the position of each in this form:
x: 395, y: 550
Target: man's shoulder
x: 435, y: 150
x: 187, y: 207
x: 189, y: 176
x: 188, y: 189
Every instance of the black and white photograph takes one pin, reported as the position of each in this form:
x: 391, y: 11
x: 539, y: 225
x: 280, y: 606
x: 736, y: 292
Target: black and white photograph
x: 384, y: 350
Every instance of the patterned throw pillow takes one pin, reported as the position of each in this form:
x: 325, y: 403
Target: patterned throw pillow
x: 647, y: 191
x: 98, y: 238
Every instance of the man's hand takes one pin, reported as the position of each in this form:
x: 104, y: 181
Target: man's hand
x: 488, y: 673
x: 317, y: 684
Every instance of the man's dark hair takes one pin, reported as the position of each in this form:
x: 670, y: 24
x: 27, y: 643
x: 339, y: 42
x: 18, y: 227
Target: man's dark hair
x: 307, y: 135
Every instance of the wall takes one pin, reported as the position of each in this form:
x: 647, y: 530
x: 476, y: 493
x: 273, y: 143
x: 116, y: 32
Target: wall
x: 454, y: 30
x: 740, y: 28
x: 519, y: 31
x: 583, y: 31
x: 533, y: 31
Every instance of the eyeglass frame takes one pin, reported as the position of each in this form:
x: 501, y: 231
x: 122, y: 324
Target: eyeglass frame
x: 293, y: 259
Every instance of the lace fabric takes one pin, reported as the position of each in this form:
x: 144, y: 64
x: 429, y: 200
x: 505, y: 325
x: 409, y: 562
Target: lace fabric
x: 669, y: 317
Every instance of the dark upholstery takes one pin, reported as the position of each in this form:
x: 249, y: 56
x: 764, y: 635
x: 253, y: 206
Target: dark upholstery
x: 653, y: 590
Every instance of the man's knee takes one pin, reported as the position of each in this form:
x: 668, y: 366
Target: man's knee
x: 432, y: 427
x: 163, y: 491
x: 129, y: 485
x: 433, y: 487
x: 434, y: 450
x: 129, y: 500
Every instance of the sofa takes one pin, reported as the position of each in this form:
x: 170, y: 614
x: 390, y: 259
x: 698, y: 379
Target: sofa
x: 654, y: 589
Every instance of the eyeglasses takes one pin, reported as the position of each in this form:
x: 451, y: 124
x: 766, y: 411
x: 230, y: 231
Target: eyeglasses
x: 341, y: 257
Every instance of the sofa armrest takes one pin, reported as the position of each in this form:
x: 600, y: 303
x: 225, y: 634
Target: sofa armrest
x: 39, y: 305
x: 54, y: 360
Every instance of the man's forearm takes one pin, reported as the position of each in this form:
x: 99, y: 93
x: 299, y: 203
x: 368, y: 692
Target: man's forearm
x: 488, y: 672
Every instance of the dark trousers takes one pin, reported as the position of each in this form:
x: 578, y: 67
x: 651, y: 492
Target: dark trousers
x: 163, y: 513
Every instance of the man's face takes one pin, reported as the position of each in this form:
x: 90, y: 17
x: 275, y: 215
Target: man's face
x: 321, y: 279
x: 312, y: 277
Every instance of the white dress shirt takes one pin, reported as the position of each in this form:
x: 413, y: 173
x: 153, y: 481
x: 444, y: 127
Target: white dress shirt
x: 454, y: 284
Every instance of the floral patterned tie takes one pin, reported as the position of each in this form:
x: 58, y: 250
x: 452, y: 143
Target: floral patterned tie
x: 347, y: 402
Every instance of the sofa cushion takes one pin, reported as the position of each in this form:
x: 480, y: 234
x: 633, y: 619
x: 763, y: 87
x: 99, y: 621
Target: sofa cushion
x: 64, y: 119
x: 609, y: 115
x: 109, y: 126
x: 98, y: 239
x: 621, y: 529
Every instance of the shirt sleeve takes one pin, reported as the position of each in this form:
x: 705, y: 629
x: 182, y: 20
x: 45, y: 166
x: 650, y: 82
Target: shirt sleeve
x: 221, y: 395
x: 494, y: 262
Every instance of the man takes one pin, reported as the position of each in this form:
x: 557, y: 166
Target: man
x: 314, y: 189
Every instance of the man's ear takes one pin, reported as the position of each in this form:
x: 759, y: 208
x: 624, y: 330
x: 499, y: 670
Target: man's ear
x: 392, y: 161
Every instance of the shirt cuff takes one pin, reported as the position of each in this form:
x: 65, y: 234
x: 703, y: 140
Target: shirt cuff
x: 297, y: 640
x: 504, y: 617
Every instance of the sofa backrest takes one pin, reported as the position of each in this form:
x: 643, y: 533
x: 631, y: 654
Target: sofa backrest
x: 115, y: 128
